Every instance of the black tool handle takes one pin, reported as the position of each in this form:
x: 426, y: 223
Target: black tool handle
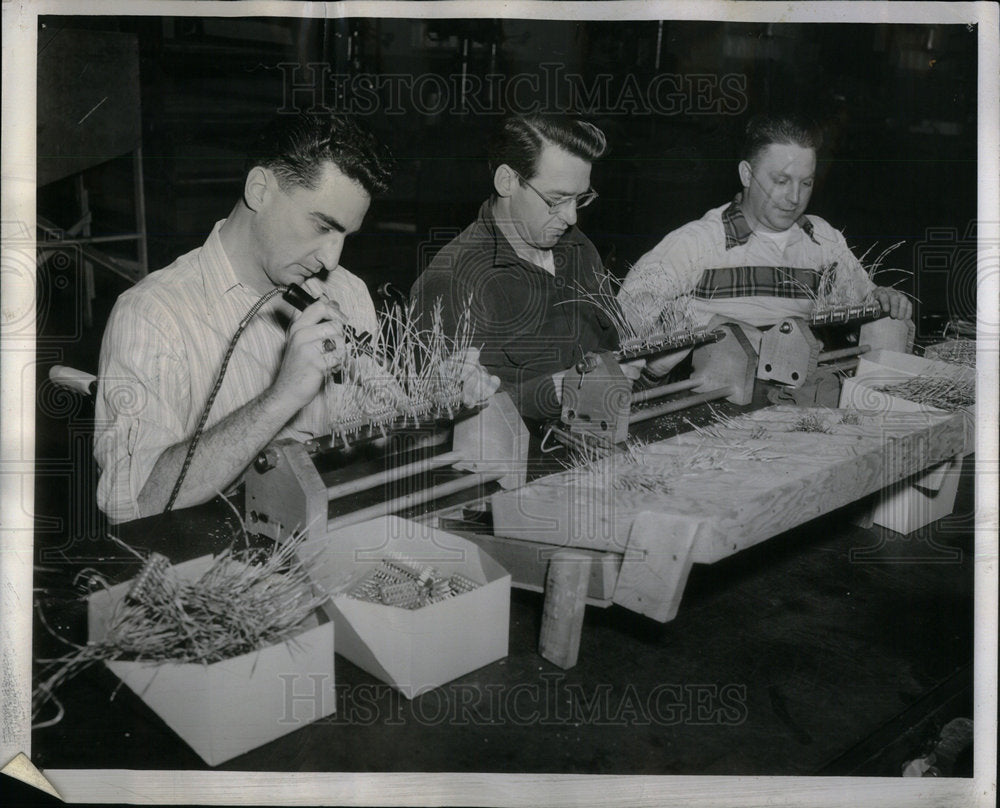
x: 300, y: 298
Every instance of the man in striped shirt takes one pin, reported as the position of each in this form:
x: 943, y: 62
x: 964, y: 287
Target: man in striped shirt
x: 758, y: 258
x: 308, y: 186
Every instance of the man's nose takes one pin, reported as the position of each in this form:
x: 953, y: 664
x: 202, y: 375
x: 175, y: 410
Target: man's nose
x: 794, y: 193
x: 568, y: 213
x: 329, y: 254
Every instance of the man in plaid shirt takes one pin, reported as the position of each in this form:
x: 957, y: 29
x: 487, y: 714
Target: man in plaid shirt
x: 758, y: 258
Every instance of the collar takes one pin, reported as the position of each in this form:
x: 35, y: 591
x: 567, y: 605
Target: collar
x: 738, y: 230
x: 218, y: 275
x: 504, y: 253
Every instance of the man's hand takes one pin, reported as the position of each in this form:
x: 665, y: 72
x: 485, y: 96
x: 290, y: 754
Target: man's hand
x: 477, y: 382
x: 632, y: 369
x: 315, y: 348
x: 662, y: 364
x: 894, y: 303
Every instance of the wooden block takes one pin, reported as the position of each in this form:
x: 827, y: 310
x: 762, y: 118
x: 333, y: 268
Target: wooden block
x: 888, y: 334
x: 494, y: 440
x: 656, y: 565
x: 730, y: 362
x: 565, y: 603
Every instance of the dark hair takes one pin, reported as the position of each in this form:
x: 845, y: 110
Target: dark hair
x: 296, y: 147
x: 794, y: 129
x: 520, y: 139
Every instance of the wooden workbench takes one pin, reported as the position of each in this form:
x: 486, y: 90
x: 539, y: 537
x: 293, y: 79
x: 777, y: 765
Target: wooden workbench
x: 723, y: 489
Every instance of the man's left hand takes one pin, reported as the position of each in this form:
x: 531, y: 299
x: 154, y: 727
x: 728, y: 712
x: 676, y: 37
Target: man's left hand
x: 894, y: 303
x: 632, y: 369
x: 477, y: 382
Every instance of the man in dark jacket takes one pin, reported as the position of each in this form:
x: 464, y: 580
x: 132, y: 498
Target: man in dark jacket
x: 522, y: 268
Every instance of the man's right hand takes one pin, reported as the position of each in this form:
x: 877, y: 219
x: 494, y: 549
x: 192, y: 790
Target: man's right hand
x: 661, y: 364
x: 314, y: 349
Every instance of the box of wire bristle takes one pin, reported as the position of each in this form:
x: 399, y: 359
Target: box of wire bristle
x: 216, y: 646
x: 890, y: 381
x: 414, y: 606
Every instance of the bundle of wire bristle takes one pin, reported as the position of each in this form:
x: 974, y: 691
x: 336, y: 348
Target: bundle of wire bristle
x: 811, y: 422
x: 409, y: 370
x: 956, y: 351
x: 840, y: 287
x: 633, y: 469
x: 674, y: 326
x: 941, y: 392
x: 243, y: 602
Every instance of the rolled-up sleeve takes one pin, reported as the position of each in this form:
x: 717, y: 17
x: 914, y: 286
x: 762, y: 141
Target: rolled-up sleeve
x: 143, y: 400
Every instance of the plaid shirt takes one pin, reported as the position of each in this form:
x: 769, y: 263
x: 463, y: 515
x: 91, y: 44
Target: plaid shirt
x: 734, y: 272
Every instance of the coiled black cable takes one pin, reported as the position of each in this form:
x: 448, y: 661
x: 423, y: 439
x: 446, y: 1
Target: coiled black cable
x: 215, y: 390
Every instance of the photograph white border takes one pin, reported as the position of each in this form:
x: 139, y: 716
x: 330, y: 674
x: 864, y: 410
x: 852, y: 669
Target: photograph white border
x: 17, y: 446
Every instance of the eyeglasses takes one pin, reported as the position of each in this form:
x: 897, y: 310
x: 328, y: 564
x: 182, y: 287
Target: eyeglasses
x: 556, y: 205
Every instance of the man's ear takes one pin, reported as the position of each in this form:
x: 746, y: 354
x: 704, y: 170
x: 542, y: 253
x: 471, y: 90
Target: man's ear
x: 504, y: 180
x: 746, y: 173
x: 257, y: 186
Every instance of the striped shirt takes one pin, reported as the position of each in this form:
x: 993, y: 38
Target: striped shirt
x: 163, y: 348
x: 734, y: 272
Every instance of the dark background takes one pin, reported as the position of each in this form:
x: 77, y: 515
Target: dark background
x: 899, y: 102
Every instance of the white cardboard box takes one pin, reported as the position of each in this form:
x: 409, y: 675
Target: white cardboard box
x: 420, y: 649
x: 226, y: 708
x: 883, y: 368
x: 909, y: 505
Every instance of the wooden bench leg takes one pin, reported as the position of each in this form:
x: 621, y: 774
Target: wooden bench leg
x: 565, y: 602
x: 658, y: 558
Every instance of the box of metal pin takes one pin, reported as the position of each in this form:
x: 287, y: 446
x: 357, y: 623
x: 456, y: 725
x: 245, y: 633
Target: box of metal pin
x: 414, y: 606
